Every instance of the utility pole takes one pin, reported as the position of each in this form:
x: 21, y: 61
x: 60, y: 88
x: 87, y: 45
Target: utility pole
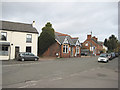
x: 91, y: 43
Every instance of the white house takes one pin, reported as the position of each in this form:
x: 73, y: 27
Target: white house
x: 17, y: 37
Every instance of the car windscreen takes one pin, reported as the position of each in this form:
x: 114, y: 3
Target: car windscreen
x: 103, y: 55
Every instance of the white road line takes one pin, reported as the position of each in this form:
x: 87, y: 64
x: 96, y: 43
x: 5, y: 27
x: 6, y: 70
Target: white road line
x: 23, y: 86
x: 19, y: 64
x: 29, y: 83
x: 58, y: 78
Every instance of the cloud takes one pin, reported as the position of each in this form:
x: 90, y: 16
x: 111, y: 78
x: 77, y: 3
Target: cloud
x: 74, y: 18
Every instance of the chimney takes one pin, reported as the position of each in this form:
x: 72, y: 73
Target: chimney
x: 88, y: 36
x: 95, y: 38
x: 33, y: 24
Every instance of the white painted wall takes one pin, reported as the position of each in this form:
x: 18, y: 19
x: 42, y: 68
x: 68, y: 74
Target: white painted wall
x: 19, y: 39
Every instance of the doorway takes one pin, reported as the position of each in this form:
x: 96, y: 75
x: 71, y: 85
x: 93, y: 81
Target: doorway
x: 72, y: 51
x: 16, y: 51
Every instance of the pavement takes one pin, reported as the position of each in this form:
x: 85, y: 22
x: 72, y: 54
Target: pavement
x: 83, y: 72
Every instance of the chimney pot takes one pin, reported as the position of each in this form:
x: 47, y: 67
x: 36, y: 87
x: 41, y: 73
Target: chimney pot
x: 88, y: 36
x: 33, y: 24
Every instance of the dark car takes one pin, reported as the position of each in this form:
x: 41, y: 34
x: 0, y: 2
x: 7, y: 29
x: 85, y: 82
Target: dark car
x: 83, y: 54
x: 116, y: 54
x: 27, y: 56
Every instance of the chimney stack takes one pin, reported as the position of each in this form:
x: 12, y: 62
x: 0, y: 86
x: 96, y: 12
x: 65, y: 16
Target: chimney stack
x: 33, y: 24
x: 88, y: 36
x: 95, y: 38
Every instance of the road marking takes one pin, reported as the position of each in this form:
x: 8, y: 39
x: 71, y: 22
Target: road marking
x: 29, y: 83
x: 57, y: 78
x: 23, y: 86
x: 19, y: 64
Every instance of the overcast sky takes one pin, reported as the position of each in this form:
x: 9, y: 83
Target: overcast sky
x: 74, y: 18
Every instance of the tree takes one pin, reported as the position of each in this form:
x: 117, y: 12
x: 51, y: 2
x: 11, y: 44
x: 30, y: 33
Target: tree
x: 46, y: 38
x: 111, y: 43
x: 106, y: 42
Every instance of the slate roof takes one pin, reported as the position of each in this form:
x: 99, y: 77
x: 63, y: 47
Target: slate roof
x: 61, y: 37
x: 96, y: 41
x: 74, y: 40
x: 19, y: 27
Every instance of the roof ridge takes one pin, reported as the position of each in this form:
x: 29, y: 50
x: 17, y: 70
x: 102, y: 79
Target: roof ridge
x: 15, y: 22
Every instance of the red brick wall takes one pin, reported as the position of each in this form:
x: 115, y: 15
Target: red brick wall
x: 98, y: 47
x: 56, y: 48
x: 52, y: 50
x: 65, y: 55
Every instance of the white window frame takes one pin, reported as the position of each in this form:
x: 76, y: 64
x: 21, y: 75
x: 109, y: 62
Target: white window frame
x: 77, y: 50
x: 66, y: 47
x: 5, y: 34
x: 30, y: 37
x: 86, y: 44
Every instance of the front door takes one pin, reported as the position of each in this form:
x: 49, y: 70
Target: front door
x: 16, y: 51
x: 72, y: 51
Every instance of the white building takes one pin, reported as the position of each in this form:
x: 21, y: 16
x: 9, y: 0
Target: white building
x: 17, y: 37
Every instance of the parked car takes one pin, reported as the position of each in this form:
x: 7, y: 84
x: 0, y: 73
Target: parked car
x: 116, y: 54
x: 26, y: 56
x: 113, y: 55
x: 83, y: 54
x: 103, y: 58
x: 110, y: 56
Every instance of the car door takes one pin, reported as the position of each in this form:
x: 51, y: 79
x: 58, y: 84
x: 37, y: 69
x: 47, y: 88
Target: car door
x: 31, y: 56
x: 26, y: 56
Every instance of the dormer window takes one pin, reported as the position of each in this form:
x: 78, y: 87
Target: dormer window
x: 3, y: 36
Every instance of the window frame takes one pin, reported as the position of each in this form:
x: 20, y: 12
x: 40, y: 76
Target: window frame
x: 77, y: 50
x: 29, y: 47
x: 4, y: 50
x: 27, y: 38
x: 65, y: 48
x: 1, y: 36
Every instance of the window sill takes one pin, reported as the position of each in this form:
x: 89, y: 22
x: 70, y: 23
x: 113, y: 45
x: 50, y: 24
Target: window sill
x: 28, y: 42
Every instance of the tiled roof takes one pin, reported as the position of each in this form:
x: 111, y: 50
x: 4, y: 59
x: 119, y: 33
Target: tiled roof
x: 60, y: 37
x: 19, y: 27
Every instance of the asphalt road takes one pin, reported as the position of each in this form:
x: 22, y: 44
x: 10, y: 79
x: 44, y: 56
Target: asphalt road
x: 83, y: 72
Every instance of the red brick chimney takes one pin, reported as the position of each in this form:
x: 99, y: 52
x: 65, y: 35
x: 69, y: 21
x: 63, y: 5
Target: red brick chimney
x: 95, y: 38
x: 88, y: 36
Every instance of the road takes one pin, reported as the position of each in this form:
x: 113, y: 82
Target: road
x: 83, y: 72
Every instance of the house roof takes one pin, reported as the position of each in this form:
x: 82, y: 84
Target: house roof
x: 96, y: 41
x: 19, y: 27
x: 74, y: 40
x: 61, y: 37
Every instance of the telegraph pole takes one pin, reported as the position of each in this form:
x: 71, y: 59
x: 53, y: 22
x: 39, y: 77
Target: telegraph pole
x: 91, y: 43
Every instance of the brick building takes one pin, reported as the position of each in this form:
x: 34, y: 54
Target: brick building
x: 92, y: 45
x: 65, y: 46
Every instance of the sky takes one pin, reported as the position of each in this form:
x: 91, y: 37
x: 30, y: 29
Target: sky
x: 74, y: 18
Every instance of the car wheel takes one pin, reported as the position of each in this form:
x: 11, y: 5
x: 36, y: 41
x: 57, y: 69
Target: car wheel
x: 107, y: 61
x: 23, y: 59
x: 36, y: 59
